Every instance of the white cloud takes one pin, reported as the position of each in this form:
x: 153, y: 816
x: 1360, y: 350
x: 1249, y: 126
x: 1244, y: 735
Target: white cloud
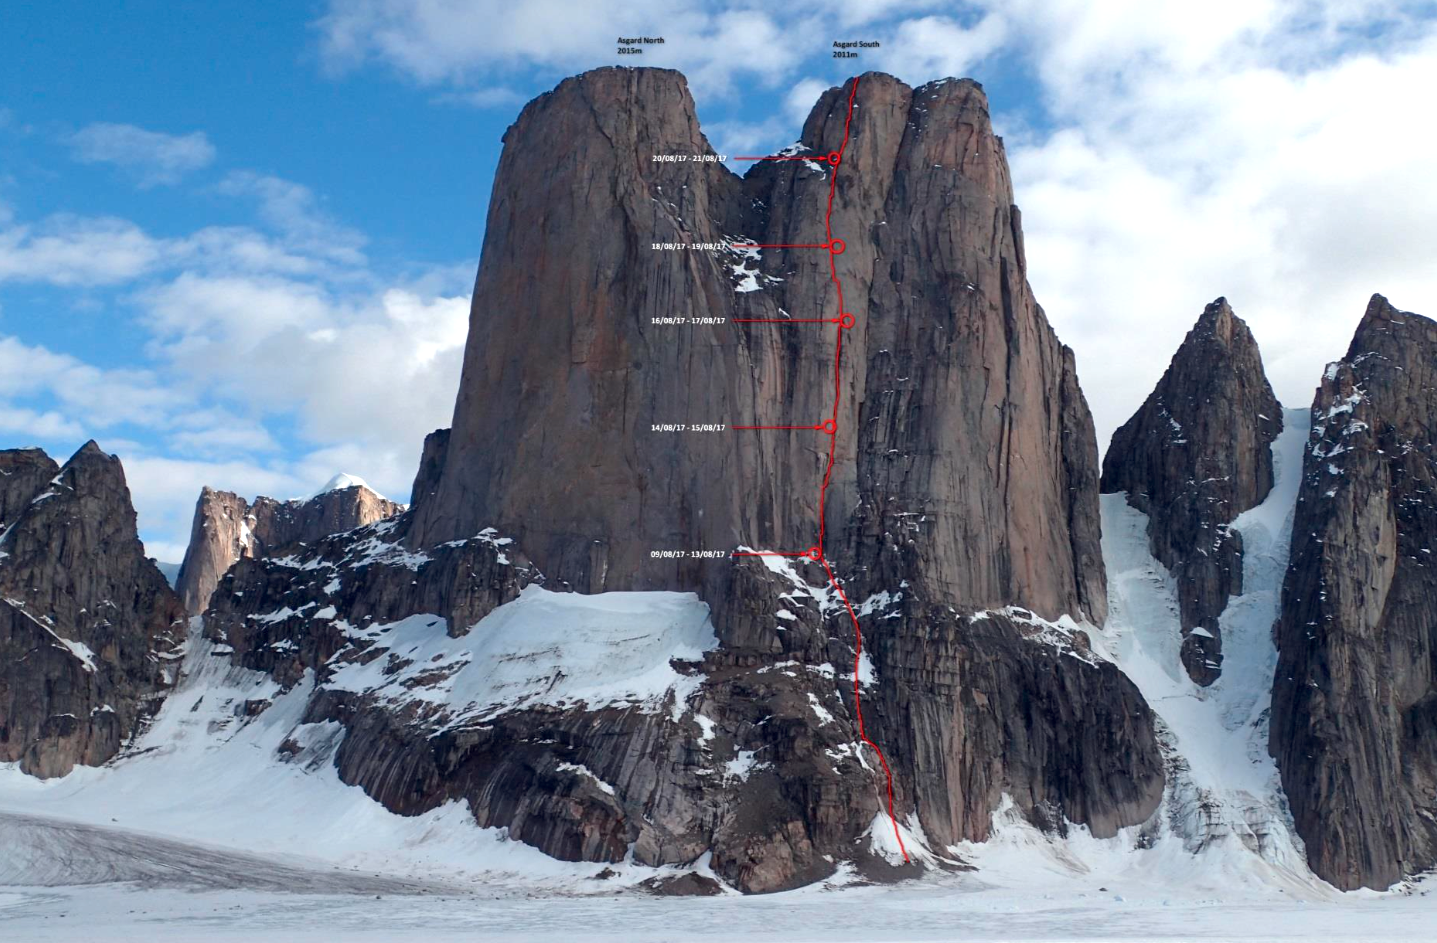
x: 70, y: 250
x: 373, y: 369
x: 294, y: 211
x: 231, y: 314
x: 41, y: 425
x: 1270, y: 151
x: 934, y: 47
x: 491, y: 96
x: 217, y: 432
x: 465, y: 42
x: 78, y: 251
x: 743, y: 138
x: 151, y: 157
x: 85, y: 395
x: 1270, y: 154
x: 802, y: 97
x: 243, y: 327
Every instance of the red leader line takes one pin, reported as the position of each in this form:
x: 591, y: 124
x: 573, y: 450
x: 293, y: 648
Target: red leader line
x: 776, y: 245
x: 773, y: 427
x: 809, y: 157
x: 816, y: 553
x: 783, y: 320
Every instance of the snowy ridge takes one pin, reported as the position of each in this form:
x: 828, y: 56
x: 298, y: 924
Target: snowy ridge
x: 555, y: 649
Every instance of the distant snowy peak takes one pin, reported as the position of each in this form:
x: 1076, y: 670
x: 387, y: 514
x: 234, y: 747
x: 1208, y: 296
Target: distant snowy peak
x: 342, y: 481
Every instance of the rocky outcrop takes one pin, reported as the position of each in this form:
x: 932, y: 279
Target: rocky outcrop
x: 228, y: 528
x: 1195, y: 456
x: 960, y: 519
x: 431, y: 463
x: 89, y: 628
x: 1354, y: 712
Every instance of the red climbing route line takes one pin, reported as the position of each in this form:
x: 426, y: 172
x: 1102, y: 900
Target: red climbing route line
x: 858, y: 700
x: 844, y: 321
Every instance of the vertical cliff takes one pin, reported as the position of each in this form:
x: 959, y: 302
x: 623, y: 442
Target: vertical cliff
x: 636, y: 300
x: 88, y: 626
x: 1354, y: 714
x: 1196, y: 455
x: 228, y: 528
x: 956, y: 401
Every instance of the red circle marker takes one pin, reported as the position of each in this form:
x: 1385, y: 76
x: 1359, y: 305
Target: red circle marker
x: 830, y: 427
x: 836, y: 247
x: 847, y: 321
x: 815, y: 553
x: 833, y: 158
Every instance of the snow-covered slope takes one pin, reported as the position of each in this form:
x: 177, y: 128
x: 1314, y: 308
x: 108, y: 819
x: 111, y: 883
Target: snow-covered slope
x: 1223, y: 821
x: 1223, y: 786
x: 558, y: 649
x: 219, y: 767
x: 225, y: 795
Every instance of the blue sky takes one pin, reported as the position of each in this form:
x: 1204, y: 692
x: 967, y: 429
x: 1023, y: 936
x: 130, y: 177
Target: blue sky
x: 236, y: 250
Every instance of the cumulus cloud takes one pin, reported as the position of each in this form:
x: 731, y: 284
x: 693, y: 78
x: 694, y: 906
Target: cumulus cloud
x: 88, y: 396
x: 463, y: 42
x: 71, y: 250
x: 18, y: 421
x: 165, y: 487
x: 939, y: 46
x: 295, y: 212
x: 251, y: 331
x: 79, y: 251
x: 150, y: 157
x: 1267, y: 152
x: 376, y: 369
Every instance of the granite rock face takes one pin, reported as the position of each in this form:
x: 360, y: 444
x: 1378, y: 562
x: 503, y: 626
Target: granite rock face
x: 89, y: 629
x: 228, y: 528
x: 1195, y: 456
x: 1354, y: 713
x: 952, y: 398
x: 961, y: 518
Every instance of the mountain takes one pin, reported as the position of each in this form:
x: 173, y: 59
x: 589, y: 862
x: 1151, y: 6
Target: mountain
x: 227, y: 528
x: 1192, y: 458
x: 557, y: 631
x: 89, y: 629
x: 751, y: 561
x: 1354, y: 714
x: 949, y: 346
